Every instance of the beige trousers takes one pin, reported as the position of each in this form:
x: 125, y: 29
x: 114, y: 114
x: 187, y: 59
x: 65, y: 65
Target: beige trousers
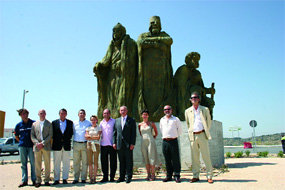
x: 200, y: 144
x: 38, y: 162
x: 79, y: 156
x: 58, y: 157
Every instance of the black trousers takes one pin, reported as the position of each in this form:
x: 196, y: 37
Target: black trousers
x: 126, y: 162
x: 108, y: 155
x: 283, y: 145
x: 170, y: 151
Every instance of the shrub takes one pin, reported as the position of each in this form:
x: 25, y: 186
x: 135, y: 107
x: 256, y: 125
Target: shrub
x: 228, y: 154
x: 247, y: 153
x: 262, y: 154
x: 280, y: 154
x: 238, y: 154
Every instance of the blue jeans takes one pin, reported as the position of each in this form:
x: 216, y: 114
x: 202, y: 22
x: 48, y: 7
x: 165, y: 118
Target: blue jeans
x: 25, y: 153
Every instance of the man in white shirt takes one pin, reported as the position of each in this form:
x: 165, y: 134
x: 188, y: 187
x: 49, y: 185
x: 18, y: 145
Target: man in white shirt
x: 170, y: 127
x: 198, y: 120
x: 41, y: 135
x: 80, y: 147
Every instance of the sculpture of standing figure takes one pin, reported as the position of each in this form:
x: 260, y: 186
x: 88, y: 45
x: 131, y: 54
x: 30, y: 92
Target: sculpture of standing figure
x: 117, y: 74
x: 188, y: 79
x: 155, y: 82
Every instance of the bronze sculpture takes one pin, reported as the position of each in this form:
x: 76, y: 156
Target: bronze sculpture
x: 188, y: 79
x: 155, y: 82
x: 117, y: 74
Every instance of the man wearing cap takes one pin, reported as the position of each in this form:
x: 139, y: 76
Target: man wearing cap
x: 198, y: 121
x: 23, y: 135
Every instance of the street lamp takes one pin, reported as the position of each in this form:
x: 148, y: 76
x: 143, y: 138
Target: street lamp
x: 24, y: 94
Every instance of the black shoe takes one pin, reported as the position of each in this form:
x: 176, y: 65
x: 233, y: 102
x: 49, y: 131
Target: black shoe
x: 177, y: 179
x: 55, y: 183
x: 120, y: 180
x: 75, y: 181
x: 128, y: 181
x: 23, y: 184
x: 34, y: 183
x: 64, y: 181
x: 104, y: 180
x: 37, y: 185
x: 167, y: 179
x: 46, y: 184
x: 83, y: 181
x: 112, y: 180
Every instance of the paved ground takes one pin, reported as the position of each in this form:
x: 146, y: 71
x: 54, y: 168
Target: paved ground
x: 244, y: 173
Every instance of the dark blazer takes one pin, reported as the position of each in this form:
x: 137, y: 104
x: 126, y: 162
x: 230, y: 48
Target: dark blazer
x: 62, y: 140
x: 127, y: 135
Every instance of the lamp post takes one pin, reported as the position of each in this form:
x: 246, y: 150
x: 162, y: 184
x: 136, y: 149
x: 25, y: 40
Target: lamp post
x: 24, y: 94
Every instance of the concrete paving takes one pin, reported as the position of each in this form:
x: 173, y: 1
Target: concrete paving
x: 244, y: 173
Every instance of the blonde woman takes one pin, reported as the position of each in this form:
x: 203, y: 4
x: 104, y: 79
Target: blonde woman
x: 92, y: 135
x: 148, y: 132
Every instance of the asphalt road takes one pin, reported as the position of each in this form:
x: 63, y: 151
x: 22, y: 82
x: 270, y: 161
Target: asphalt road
x: 8, y: 156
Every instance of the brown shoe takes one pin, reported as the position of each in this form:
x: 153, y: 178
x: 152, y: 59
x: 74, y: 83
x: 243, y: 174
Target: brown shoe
x: 37, y: 185
x: 193, y: 180
x: 210, y: 181
x: 23, y: 184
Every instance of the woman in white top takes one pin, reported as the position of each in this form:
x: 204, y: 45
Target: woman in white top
x: 92, y: 135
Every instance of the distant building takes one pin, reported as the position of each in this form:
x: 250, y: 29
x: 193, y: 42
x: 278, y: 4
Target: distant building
x: 8, y: 132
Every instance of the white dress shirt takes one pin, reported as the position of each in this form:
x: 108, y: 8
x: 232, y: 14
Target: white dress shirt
x: 170, y: 127
x: 62, y: 125
x: 123, y: 121
x: 79, y: 128
x: 198, y: 125
x: 42, y: 127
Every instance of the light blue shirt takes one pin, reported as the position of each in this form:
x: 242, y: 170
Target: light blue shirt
x: 62, y: 125
x: 79, y: 128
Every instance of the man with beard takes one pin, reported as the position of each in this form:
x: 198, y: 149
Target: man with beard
x: 187, y: 80
x: 155, y: 69
x: 116, y: 73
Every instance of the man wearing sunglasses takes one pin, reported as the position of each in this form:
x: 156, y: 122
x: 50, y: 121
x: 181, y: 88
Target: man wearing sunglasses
x: 198, y: 121
x: 171, y: 129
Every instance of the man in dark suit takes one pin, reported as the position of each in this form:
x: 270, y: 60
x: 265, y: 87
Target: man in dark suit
x: 61, y: 146
x: 124, y: 139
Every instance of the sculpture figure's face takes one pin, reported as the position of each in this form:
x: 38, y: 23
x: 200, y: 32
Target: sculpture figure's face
x: 117, y: 34
x: 193, y: 61
x: 155, y: 25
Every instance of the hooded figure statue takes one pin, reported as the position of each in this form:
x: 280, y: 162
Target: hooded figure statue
x: 117, y: 74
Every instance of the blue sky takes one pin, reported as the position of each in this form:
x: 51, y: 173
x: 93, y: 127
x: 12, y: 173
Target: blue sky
x: 50, y: 48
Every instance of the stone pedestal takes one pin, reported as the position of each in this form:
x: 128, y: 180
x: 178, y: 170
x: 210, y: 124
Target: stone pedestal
x: 216, y: 146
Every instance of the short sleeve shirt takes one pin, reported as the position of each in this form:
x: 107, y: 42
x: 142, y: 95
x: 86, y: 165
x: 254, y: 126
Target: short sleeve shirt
x: 23, y: 131
x: 93, y: 131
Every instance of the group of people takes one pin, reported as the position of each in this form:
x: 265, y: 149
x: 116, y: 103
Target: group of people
x: 109, y: 139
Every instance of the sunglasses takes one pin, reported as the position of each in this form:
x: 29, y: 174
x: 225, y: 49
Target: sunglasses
x: 167, y: 109
x: 194, y: 97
